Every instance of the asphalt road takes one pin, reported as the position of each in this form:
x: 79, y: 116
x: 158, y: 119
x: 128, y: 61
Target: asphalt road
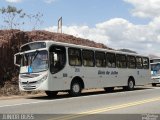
x: 141, y: 104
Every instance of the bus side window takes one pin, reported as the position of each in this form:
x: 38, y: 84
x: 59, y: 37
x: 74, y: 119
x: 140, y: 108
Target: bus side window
x: 100, y: 59
x: 111, y: 60
x: 145, y: 63
x: 88, y: 58
x: 131, y: 61
x: 139, y: 64
x: 121, y: 61
x: 74, y: 55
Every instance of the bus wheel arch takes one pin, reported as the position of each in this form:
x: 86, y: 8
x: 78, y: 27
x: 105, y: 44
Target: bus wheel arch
x: 130, y: 84
x: 76, y: 86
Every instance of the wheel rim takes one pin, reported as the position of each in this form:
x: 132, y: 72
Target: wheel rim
x: 76, y: 88
x: 131, y: 84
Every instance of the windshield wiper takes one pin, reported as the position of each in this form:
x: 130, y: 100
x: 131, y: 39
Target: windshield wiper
x: 37, y: 52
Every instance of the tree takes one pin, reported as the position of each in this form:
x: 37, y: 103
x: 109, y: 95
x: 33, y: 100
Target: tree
x: 11, y: 16
x: 35, y: 20
x: 14, y: 18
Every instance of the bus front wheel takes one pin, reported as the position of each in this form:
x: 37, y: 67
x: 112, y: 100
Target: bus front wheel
x: 75, y: 89
x: 51, y: 94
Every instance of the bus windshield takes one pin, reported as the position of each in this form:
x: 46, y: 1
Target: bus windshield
x: 36, y: 61
x: 155, y: 69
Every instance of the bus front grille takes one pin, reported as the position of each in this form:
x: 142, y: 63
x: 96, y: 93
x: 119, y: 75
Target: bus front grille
x: 29, y: 88
x: 25, y: 83
x: 29, y: 85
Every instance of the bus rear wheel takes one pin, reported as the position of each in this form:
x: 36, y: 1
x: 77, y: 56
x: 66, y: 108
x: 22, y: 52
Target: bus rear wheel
x: 75, y: 89
x: 130, y: 85
x: 51, y: 94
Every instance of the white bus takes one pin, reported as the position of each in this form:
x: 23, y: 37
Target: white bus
x: 54, y: 66
x: 155, y: 71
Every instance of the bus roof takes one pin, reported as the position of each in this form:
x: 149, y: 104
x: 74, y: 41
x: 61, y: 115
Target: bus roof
x: 155, y: 58
x: 50, y: 42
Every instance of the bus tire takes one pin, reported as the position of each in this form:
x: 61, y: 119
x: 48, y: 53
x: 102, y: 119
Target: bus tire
x: 130, y: 85
x: 75, y: 89
x: 153, y: 84
x: 109, y: 89
x: 51, y: 94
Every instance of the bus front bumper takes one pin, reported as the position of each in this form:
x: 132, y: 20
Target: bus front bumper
x: 156, y: 80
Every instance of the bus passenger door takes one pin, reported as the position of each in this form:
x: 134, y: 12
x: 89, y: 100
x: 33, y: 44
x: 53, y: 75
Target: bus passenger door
x: 57, y: 66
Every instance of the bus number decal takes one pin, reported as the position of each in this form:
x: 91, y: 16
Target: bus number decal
x: 77, y: 70
x: 64, y: 74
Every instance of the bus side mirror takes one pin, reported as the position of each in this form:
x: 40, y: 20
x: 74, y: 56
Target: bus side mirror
x: 17, y: 60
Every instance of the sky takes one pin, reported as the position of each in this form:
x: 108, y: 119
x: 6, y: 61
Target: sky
x: 129, y: 24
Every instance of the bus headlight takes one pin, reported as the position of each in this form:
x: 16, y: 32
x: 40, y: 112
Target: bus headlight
x: 42, y: 79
